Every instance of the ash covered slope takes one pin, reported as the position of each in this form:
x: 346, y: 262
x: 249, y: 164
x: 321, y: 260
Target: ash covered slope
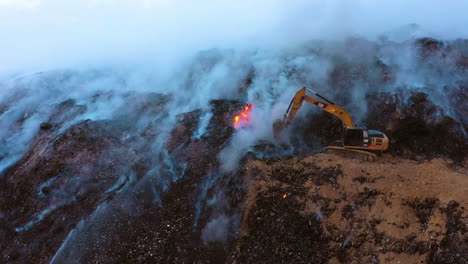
x: 96, y: 168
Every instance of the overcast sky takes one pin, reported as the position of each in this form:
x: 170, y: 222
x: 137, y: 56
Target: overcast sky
x: 46, y: 34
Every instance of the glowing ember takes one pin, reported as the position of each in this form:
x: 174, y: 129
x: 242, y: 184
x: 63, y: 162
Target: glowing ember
x: 243, y: 117
x: 285, y: 196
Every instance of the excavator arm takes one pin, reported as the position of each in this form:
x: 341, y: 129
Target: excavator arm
x: 356, y: 141
x: 323, y: 103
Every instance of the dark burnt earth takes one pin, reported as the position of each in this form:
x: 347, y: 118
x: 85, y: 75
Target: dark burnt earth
x: 102, y: 191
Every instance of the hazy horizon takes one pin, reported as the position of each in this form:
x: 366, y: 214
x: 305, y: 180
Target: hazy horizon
x: 52, y: 34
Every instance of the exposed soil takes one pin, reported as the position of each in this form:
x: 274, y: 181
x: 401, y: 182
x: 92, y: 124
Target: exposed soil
x: 328, y: 209
x: 129, y: 189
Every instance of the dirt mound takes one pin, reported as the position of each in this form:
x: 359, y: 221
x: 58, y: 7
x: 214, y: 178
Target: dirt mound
x: 99, y: 172
x: 350, y: 211
x: 281, y: 232
x: 143, y: 185
x: 99, y: 177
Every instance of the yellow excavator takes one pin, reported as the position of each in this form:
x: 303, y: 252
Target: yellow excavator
x: 356, y: 142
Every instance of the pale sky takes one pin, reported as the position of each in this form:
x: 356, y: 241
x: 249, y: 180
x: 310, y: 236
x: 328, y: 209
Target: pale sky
x: 46, y: 34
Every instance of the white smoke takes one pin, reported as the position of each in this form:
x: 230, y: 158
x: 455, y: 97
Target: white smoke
x: 112, y: 48
x: 195, y: 51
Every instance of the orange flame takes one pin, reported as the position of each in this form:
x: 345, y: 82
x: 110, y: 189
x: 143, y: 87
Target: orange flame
x: 243, y: 117
x: 285, y: 196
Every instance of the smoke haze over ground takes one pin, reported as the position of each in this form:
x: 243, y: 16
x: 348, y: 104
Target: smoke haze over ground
x: 148, y: 46
x: 152, y: 46
x: 159, y: 82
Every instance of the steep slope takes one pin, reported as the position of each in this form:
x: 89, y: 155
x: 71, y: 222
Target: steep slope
x: 98, y: 167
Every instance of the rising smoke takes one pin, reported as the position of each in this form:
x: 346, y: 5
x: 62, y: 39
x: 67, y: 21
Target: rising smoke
x: 101, y: 53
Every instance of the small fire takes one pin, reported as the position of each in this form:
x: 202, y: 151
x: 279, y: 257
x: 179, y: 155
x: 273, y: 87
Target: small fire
x: 285, y: 196
x: 243, y: 117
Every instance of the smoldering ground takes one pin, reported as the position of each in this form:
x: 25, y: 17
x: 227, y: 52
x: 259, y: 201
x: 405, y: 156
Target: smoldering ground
x: 147, y: 75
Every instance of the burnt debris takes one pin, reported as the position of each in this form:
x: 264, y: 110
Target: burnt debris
x: 133, y: 188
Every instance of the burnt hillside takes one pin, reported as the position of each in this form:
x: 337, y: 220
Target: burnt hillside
x: 95, y: 168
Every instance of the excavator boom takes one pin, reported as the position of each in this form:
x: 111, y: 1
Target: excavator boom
x: 354, y: 138
x: 323, y: 103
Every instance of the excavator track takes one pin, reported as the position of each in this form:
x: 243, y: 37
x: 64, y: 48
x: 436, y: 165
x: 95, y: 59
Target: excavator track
x: 351, y: 153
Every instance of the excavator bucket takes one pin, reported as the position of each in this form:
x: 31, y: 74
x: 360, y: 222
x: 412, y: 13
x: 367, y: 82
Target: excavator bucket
x: 278, y: 127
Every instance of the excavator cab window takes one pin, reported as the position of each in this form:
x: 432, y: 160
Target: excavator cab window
x: 375, y: 133
x: 353, y: 137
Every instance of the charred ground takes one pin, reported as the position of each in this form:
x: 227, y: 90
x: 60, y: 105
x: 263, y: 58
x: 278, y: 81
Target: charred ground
x: 103, y: 191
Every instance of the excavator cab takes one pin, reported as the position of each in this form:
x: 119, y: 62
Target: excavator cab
x: 355, y: 139
x: 364, y: 139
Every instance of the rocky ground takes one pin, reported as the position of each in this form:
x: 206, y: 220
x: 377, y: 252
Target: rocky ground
x: 84, y: 195
x: 131, y: 189
x: 328, y: 209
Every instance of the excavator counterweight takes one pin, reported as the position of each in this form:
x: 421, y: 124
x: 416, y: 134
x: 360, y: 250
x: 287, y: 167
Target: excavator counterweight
x: 355, y: 140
